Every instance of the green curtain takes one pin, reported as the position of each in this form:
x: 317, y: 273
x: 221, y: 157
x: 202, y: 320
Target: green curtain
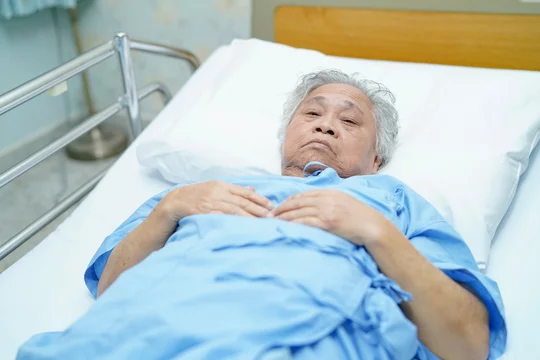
x: 11, y: 8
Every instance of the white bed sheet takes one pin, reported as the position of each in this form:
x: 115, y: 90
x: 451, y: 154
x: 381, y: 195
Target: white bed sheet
x: 514, y: 265
x: 44, y: 291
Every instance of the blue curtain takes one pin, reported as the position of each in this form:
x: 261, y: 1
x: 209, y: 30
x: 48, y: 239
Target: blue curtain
x: 11, y: 8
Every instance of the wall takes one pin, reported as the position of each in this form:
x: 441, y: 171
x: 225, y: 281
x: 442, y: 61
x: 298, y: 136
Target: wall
x: 37, y: 43
x: 30, y: 46
x: 198, y: 26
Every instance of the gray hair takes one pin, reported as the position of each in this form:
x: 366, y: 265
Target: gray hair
x: 382, y: 100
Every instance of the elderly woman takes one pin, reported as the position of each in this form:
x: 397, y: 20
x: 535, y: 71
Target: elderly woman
x: 327, y: 261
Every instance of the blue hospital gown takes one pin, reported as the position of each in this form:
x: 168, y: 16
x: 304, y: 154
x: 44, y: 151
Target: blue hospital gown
x: 231, y: 287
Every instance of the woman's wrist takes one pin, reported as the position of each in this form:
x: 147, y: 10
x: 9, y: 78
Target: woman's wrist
x: 379, y: 231
x: 162, y: 220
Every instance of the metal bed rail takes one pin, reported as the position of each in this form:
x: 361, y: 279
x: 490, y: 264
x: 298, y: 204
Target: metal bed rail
x: 120, y: 45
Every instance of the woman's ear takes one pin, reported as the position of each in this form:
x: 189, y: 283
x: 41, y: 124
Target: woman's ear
x: 376, y: 164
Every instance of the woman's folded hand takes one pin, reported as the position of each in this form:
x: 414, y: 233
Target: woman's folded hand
x: 335, y: 212
x: 213, y: 197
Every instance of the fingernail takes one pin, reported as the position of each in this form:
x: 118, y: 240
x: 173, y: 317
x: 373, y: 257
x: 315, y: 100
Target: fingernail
x: 270, y: 215
x: 270, y: 205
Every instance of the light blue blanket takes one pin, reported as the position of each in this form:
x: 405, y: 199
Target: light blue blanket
x: 229, y: 287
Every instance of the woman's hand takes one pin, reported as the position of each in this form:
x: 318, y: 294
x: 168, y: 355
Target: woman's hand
x: 335, y: 212
x: 213, y: 197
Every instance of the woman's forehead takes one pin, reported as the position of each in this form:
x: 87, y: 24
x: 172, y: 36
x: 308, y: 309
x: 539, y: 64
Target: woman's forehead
x: 340, y: 93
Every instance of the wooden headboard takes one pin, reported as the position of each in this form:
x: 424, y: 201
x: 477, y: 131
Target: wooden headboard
x: 492, y: 33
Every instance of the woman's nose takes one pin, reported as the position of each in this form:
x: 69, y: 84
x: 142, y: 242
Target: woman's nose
x: 325, y: 130
x: 324, y: 126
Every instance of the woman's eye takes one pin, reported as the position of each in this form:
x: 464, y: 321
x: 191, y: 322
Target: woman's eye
x: 313, y: 113
x: 349, y: 121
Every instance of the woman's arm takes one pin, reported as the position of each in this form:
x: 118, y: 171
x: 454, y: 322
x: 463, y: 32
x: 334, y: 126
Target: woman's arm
x: 451, y: 321
x: 149, y: 236
x: 210, y: 197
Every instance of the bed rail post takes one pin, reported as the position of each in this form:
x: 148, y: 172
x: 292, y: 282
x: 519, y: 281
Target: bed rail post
x: 32, y: 229
x: 130, y: 100
x: 40, y: 84
x: 123, y: 49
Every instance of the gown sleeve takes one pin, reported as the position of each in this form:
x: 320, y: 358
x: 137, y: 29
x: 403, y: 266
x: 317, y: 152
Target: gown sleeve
x: 99, y: 260
x: 437, y: 240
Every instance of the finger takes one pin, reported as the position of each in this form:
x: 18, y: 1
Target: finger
x: 310, y: 221
x: 314, y: 193
x: 247, y: 205
x: 230, y: 209
x: 298, y: 213
x: 293, y: 203
x: 252, y: 196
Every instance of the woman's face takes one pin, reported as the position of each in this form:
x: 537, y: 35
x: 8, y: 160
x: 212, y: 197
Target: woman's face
x: 333, y: 125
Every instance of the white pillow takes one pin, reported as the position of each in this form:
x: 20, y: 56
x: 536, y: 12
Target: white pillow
x: 216, y: 142
x: 466, y: 134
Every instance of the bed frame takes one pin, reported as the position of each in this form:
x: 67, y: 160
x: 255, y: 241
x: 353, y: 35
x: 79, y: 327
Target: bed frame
x: 482, y: 33
x: 121, y: 46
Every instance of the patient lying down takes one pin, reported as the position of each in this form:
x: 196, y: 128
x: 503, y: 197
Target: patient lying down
x: 328, y: 261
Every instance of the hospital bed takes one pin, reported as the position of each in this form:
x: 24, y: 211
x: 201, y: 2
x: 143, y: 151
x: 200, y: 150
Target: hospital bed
x: 44, y: 290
